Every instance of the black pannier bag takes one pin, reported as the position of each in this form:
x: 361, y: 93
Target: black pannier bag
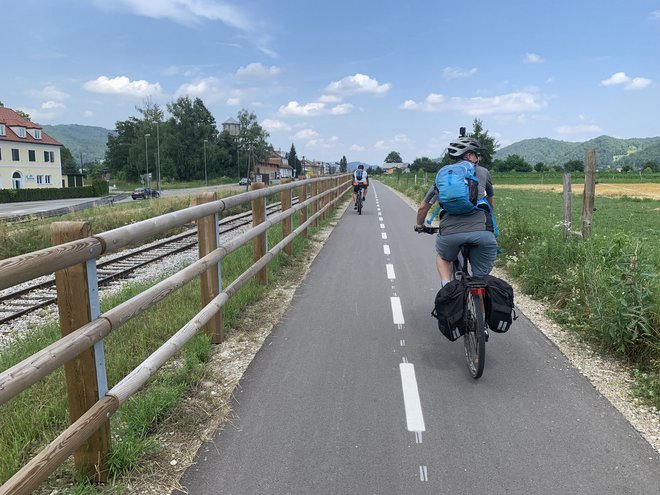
x: 499, y: 304
x: 449, y: 306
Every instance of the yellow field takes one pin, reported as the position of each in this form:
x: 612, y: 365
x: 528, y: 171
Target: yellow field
x: 651, y: 191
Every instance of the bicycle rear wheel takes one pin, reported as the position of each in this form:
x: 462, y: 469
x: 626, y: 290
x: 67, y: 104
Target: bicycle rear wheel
x: 474, y: 339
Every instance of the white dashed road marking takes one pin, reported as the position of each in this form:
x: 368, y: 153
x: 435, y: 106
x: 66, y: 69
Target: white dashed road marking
x: 414, y: 416
x: 386, y: 249
x: 390, y: 271
x: 397, y: 312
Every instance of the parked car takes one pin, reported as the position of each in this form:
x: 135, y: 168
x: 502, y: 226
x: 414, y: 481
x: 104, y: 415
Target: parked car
x: 144, y: 193
x: 244, y: 182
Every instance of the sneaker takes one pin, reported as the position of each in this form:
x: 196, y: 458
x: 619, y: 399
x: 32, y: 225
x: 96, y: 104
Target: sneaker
x: 355, y: 206
x: 364, y: 199
x: 486, y: 334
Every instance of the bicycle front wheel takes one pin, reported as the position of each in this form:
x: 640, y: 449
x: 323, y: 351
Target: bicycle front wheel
x: 474, y: 338
x: 359, y: 200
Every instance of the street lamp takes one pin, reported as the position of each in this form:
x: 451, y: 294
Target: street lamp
x: 206, y: 180
x: 233, y: 127
x: 146, y: 156
x: 158, y: 156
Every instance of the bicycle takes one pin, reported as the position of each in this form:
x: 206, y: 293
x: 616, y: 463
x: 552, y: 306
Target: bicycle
x: 360, y: 186
x: 475, y: 333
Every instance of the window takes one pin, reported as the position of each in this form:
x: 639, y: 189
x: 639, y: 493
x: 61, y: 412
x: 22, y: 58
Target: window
x: 52, y: 156
x: 20, y: 131
x: 2, y: 130
x: 0, y: 153
x: 32, y: 156
x: 47, y: 156
x: 37, y: 134
x: 15, y: 156
x: 40, y: 179
x: 49, y: 179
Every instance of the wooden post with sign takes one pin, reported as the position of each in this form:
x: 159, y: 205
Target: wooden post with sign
x: 74, y: 305
x: 209, y: 281
x: 259, y: 242
x: 589, y: 192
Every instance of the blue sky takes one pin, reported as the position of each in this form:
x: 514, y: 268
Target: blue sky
x: 344, y: 78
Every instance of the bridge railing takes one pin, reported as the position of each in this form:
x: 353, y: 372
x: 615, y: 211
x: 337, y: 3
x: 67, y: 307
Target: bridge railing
x: 80, y: 349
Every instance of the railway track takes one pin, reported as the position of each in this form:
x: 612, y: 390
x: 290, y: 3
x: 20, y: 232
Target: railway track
x: 119, y: 266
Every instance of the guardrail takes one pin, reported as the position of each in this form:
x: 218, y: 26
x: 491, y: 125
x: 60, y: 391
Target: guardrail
x: 83, y: 327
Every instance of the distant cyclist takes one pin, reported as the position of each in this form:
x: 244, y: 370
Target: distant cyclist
x: 475, y: 227
x: 360, y: 181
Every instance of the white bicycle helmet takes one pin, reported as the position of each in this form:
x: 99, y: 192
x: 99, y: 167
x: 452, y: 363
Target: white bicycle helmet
x: 462, y: 145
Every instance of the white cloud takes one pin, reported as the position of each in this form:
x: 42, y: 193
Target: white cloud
x: 381, y: 145
x: 533, y: 58
x: 358, y: 83
x: 629, y: 83
x: 330, y: 98
x: 322, y: 143
x: 257, y: 70
x: 187, y: 12
x: 357, y: 147
x: 124, y: 86
x: 578, y: 129
x: 500, y: 104
x: 457, y: 72
x: 233, y: 101
x: 275, y: 125
x: 88, y: 114
x: 401, y: 139
x: 52, y: 105
x: 342, y: 109
x: 50, y: 93
x: 307, y: 110
x: 306, y: 134
x: 655, y: 15
x: 209, y: 89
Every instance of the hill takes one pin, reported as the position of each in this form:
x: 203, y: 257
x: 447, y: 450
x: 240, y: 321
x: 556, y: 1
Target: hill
x: 88, y: 140
x: 610, y: 152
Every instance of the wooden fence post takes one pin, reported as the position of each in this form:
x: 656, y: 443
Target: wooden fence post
x: 77, y: 305
x: 210, y: 281
x: 568, y: 212
x: 285, y: 198
x: 259, y: 242
x: 302, y: 196
x: 589, y: 192
x: 313, y: 207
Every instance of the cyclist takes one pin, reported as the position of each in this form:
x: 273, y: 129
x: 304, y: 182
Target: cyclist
x: 455, y: 230
x: 360, y: 180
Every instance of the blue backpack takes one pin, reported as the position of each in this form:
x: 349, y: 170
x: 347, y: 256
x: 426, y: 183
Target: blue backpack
x: 457, y: 188
x: 358, y: 174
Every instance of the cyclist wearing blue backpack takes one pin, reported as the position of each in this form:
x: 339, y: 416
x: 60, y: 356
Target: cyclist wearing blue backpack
x: 465, y: 193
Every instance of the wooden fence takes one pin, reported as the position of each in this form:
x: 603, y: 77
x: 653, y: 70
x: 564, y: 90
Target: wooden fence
x: 80, y: 349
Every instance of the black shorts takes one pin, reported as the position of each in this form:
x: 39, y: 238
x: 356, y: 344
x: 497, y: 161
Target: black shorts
x: 359, y: 186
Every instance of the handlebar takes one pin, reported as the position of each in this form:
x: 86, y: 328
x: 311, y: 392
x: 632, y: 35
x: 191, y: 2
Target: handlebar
x: 427, y: 230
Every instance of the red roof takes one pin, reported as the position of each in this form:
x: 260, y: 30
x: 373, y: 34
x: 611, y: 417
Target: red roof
x: 12, y: 119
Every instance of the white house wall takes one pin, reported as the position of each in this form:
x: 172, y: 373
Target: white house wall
x: 29, y: 170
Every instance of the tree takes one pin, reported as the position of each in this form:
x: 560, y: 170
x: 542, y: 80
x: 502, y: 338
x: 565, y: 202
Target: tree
x: 343, y: 165
x: 252, y: 139
x: 23, y: 114
x: 393, y: 157
x: 573, y: 166
x: 424, y: 164
x: 69, y: 165
x: 292, y: 156
x: 517, y: 163
x: 540, y: 167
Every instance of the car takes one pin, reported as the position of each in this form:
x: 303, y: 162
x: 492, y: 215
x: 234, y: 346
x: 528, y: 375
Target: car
x: 144, y: 193
x: 244, y: 182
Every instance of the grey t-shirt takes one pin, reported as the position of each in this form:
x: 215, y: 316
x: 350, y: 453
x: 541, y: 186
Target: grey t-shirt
x: 470, y: 222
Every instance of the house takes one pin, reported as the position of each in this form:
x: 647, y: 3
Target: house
x: 275, y: 165
x: 392, y: 168
x: 29, y: 158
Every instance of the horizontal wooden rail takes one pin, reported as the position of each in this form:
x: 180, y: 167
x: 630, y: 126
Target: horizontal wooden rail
x: 29, y: 371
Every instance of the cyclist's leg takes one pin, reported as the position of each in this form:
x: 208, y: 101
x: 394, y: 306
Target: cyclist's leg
x: 355, y: 193
x: 447, y: 247
x: 482, y: 256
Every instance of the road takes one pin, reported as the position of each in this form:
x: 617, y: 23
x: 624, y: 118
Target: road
x: 356, y: 392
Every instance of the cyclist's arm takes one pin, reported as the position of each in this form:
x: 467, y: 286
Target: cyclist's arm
x: 422, y: 211
x: 490, y: 192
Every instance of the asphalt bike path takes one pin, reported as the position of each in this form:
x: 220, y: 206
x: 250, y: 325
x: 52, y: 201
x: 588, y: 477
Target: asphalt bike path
x: 356, y: 391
